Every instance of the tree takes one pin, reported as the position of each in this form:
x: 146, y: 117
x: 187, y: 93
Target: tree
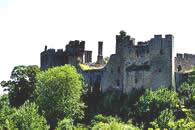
x: 152, y: 103
x: 4, y: 101
x: 25, y: 117
x: 21, y: 86
x: 6, y: 113
x: 59, y: 90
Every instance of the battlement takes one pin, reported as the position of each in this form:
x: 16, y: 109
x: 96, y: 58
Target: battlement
x: 59, y: 50
x: 76, y: 44
x: 74, y: 53
x: 122, y: 37
x: 123, y: 40
x: 184, y: 62
x: 48, y: 51
x: 75, y: 47
x: 185, y: 56
x: 156, y: 45
x: 135, y: 65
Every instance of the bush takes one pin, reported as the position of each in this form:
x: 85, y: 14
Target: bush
x: 110, y: 123
x: 164, y: 119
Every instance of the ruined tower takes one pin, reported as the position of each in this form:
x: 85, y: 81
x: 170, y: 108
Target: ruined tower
x: 147, y: 64
x: 73, y: 54
x: 100, y: 55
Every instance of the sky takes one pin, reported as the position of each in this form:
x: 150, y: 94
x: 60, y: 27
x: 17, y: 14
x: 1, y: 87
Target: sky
x: 26, y: 26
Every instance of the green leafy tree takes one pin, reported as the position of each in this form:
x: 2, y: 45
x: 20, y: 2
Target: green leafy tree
x: 4, y: 101
x: 6, y: 114
x: 59, y: 91
x: 27, y: 118
x: 152, y: 103
x: 21, y: 86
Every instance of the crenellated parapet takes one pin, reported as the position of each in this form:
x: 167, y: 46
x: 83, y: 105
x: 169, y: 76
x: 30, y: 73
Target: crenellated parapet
x: 74, y: 54
x: 156, y: 45
x: 136, y: 65
x: 184, y: 62
x: 145, y: 64
x: 75, y: 48
x: 123, y: 40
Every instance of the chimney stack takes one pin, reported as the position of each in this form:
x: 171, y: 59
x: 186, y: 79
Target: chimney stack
x: 100, y: 55
x: 45, y: 48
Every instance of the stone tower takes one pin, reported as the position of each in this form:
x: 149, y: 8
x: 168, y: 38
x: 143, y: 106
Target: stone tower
x: 147, y: 64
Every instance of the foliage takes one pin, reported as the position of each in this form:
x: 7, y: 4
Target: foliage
x: 87, y: 67
x: 6, y: 117
x: 186, y: 123
x: 59, y: 91
x: 59, y: 94
x: 4, y: 101
x: 21, y: 86
x: 182, y: 124
x: 104, y: 119
x: 27, y: 117
x: 191, y: 77
x: 110, y: 123
x: 65, y: 124
x: 152, y: 103
x: 187, y: 94
x: 167, y: 120
x: 106, y: 60
x: 112, y: 103
x: 24, y: 118
x: 114, y: 126
x: 163, y: 120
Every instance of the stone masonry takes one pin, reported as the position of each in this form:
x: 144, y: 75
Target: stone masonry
x: 74, y: 54
x: 149, y: 64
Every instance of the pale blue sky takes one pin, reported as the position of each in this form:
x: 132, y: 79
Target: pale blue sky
x: 26, y: 26
x: 3, y: 3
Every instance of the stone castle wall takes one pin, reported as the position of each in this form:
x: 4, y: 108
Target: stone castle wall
x: 74, y: 54
x: 183, y: 66
x: 184, y: 62
x: 149, y: 64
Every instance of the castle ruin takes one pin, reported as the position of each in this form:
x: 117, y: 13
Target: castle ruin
x: 149, y: 64
x: 74, y: 54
